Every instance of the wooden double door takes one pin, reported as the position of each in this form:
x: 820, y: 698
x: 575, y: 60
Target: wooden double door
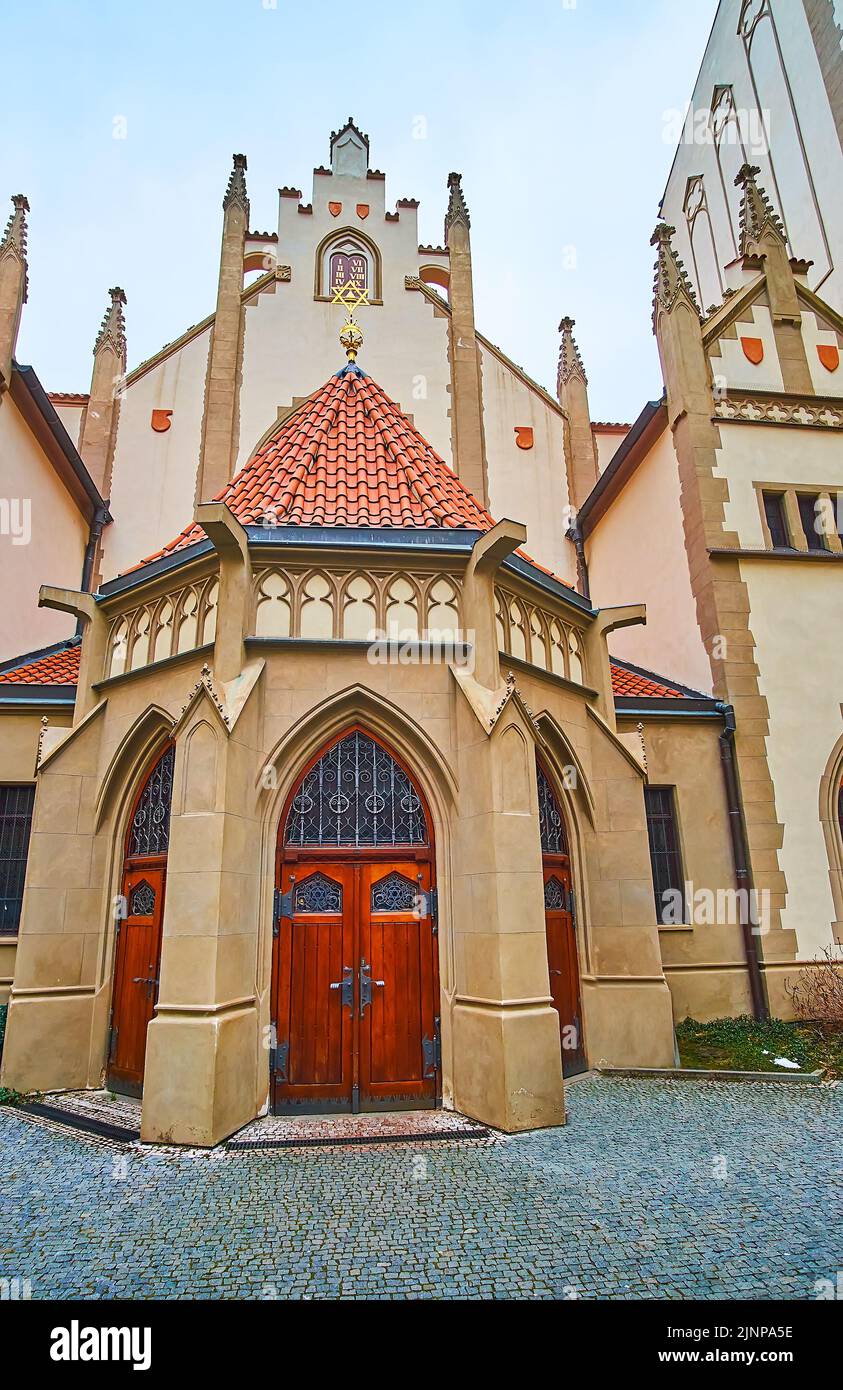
x: 355, y: 985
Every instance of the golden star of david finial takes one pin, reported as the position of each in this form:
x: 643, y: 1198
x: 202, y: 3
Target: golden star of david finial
x: 350, y: 296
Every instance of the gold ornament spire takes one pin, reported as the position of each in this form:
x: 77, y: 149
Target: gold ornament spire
x: 350, y: 296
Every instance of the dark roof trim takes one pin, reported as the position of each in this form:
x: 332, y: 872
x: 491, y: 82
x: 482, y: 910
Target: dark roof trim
x: 25, y: 693
x: 124, y: 582
x: 440, y: 540
x: 634, y: 707
x: 35, y: 395
x: 547, y: 582
x: 636, y: 444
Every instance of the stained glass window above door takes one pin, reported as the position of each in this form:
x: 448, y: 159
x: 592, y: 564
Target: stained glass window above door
x: 551, y: 824
x: 150, y: 832
x: 356, y: 794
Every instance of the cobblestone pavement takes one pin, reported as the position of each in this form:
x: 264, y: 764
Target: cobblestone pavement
x: 654, y: 1190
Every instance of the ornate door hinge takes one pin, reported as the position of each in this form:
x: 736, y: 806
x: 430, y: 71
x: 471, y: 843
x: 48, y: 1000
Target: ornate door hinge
x: 572, y: 905
x: 112, y: 1043
x: 282, y: 906
x: 432, y: 1051
x: 278, y: 1056
x: 429, y: 907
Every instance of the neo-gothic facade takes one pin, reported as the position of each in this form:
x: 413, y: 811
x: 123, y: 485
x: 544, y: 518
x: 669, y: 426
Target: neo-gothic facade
x: 337, y: 768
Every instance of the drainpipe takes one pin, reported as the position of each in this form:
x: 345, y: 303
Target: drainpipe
x: 101, y: 516
x: 740, y: 854
x: 574, y: 534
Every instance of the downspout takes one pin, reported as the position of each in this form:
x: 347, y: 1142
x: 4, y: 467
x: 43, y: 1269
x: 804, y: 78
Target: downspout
x: 101, y: 516
x: 740, y: 854
x: 574, y: 534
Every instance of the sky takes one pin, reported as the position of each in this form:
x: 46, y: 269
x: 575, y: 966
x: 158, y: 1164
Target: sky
x: 121, y: 116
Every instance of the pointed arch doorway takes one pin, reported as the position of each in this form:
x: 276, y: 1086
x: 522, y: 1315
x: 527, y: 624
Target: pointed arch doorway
x: 137, y: 958
x: 559, y: 906
x: 355, y: 981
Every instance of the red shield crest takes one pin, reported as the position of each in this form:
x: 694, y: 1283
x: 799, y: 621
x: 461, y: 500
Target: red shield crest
x: 161, y: 421
x: 524, y: 436
x: 363, y: 210
x: 753, y: 350
x: 829, y: 355
x: 335, y: 209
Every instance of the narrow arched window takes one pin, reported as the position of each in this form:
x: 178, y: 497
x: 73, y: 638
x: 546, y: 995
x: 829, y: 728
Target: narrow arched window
x: 356, y: 794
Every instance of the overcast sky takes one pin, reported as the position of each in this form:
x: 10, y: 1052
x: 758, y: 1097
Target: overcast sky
x: 552, y: 110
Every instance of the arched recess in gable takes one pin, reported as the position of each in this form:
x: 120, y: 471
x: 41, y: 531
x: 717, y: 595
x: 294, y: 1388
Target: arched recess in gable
x: 343, y: 238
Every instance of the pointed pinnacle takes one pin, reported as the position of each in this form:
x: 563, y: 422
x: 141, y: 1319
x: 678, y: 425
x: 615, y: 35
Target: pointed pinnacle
x: 113, y: 327
x: 757, y: 212
x: 671, y: 282
x: 457, y: 208
x: 236, y: 190
x: 570, y: 361
x: 14, y: 237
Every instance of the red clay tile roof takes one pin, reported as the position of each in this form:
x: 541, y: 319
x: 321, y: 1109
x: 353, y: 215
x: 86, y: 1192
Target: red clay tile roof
x: 59, y: 667
x: 346, y: 457
x: 636, y: 684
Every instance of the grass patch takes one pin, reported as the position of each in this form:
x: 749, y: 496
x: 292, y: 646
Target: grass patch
x: 744, y: 1044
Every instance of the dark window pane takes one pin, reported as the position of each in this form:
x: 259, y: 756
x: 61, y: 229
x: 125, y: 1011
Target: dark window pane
x: 668, y: 879
x: 812, y: 520
x: 776, y: 524
x: 551, y: 824
x: 356, y: 795
x: 150, y: 831
x: 15, y: 825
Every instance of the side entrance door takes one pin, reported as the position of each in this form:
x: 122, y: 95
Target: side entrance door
x: 562, y: 963
x: 136, y: 973
x: 355, y: 987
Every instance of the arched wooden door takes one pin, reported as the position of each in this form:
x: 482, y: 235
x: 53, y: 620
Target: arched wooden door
x: 139, y: 923
x: 355, y: 965
x: 559, y: 908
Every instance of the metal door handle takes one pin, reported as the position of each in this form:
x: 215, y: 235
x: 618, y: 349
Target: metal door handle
x: 346, y: 985
x: 149, y: 981
x: 556, y: 972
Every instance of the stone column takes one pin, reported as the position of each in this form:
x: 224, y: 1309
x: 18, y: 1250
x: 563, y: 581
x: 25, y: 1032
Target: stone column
x: 722, y: 601
x: 467, y: 432
x: 222, y: 387
x: 507, y: 1052
x: 572, y: 393
x: 98, y: 435
x: 203, y: 1060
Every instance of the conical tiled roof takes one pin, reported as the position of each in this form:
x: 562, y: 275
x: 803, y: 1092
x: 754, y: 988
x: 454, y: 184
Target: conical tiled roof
x: 346, y: 457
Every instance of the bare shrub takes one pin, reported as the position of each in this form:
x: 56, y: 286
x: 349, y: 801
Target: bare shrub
x: 817, y: 992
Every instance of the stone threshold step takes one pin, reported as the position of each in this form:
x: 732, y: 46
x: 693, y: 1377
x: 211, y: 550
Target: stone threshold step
x: 342, y: 1140
x: 74, y: 1119
x: 810, y: 1078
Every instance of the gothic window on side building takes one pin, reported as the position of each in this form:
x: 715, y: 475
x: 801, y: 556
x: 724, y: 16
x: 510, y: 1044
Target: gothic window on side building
x: 15, y: 825
x: 665, y: 855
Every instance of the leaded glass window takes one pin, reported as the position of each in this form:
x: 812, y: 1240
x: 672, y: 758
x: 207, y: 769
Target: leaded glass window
x: 142, y: 900
x: 356, y: 795
x: 395, y: 893
x: 554, y: 895
x: 551, y: 824
x: 150, y: 832
x: 15, y: 825
x: 317, y: 894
